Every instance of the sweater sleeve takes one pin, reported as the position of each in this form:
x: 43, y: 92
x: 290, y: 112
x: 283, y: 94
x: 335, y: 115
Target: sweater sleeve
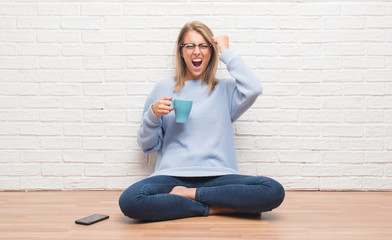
x: 150, y: 133
x: 247, y: 85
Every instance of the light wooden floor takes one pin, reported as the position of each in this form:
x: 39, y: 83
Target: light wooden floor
x: 303, y: 215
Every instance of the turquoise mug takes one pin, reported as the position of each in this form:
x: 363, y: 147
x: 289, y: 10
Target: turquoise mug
x: 182, y: 108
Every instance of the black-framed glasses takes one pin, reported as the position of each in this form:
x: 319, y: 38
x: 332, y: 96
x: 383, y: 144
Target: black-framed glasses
x: 192, y: 46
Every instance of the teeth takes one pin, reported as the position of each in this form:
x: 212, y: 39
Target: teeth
x: 196, y: 60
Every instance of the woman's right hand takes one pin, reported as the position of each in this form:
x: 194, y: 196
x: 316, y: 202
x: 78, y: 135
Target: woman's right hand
x: 162, y: 106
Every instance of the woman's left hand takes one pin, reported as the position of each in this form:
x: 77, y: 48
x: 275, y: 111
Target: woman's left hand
x: 222, y: 41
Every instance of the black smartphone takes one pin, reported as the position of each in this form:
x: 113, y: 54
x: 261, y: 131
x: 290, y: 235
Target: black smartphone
x: 91, y: 219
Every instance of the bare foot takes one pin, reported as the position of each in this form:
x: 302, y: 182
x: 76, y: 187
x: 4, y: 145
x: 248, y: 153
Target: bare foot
x: 184, y: 191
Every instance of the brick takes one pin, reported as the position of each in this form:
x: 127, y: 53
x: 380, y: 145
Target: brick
x: 9, y: 129
x: 379, y: 50
x: 379, y: 22
x: 9, y: 184
x: 344, y: 23
x: 40, y: 156
x: 311, y: 63
x: 9, y: 76
x: 149, y: 9
x: 268, y: 169
x: 364, y: 62
x: 341, y: 183
x: 369, y: 116
x: 58, y: 36
x: 15, y: 9
x: 103, y: 144
x: 360, y: 9
x: 58, y: 9
x: 378, y: 157
x: 61, y: 170
x: 60, y: 115
x: 299, y: 103
x: 124, y: 23
x: 378, y: 75
x: 129, y: 157
x: 83, y: 102
x: 277, y: 116
x: 363, y: 170
x: 300, y: 23
x: 257, y: 156
x: 320, y: 90
x: 255, y: 129
x: 346, y: 49
x: 98, y: 63
x: 378, y: 102
x: 377, y: 183
x: 335, y: 157
x: 83, y: 157
x: 342, y: 76
x: 60, y: 143
x: 299, y: 130
x: 320, y: 116
x: 131, y: 75
x: 92, y: 183
x: 40, y: 129
x: 38, y: 23
x: 129, y: 102
x: 84, y: 130
x: 41, y: 183
x: 20, y: 170
x: 321, y: 36
x: 82, y: 23
x: 299, y: 157
x: 147, y: 35
x: 343, y: 102
x: 48, y: 89
x: 315, y: 170
x: 364, y: 36
x: 342, y: 131
x: 11, y: 156
x: 60, y: 63
x: 19, y: 115
x: 285, y: 36
x: 9, y: 143
x: 112, y: 89
x: 315, y: 9
x: 101, y: 9
x: 363, y: 144
x: 121, y: 130
x: 117, y: 49
x: 8, y: 50
x: 307, y: 50
x: 19, y: 89
x: 87, y: 50
x: 83, y: 76
x: 102, y: 116
x: 18, y: 62
x: 257, y: 23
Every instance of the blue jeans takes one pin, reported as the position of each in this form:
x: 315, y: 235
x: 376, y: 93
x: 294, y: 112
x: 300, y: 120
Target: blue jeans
x: 150, y: 200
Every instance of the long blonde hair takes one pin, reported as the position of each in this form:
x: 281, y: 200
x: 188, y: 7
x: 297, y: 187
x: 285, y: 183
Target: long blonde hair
x: 208, y: 76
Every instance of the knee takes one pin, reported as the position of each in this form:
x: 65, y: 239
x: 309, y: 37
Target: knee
x: 130, y: 203
x: 277, y: 194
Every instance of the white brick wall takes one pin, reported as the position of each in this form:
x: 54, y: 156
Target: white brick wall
x: 74, y: 77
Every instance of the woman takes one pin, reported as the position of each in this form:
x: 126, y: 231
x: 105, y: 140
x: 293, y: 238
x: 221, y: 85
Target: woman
x: 196, y: 171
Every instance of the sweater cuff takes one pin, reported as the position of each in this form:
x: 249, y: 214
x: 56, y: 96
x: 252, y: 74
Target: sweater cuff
x: 226, y: 56
x: 152, y: 117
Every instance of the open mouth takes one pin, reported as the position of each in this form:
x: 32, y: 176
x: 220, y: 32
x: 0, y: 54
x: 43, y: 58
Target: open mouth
x: 196, y: 63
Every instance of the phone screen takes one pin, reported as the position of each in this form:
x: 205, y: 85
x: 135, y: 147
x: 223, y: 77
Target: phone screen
x: 91, y: 219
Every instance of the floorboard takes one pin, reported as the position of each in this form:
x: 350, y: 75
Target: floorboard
x: 303, y: 215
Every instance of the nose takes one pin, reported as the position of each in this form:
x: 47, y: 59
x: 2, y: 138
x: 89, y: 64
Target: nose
x: 197, y: 50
